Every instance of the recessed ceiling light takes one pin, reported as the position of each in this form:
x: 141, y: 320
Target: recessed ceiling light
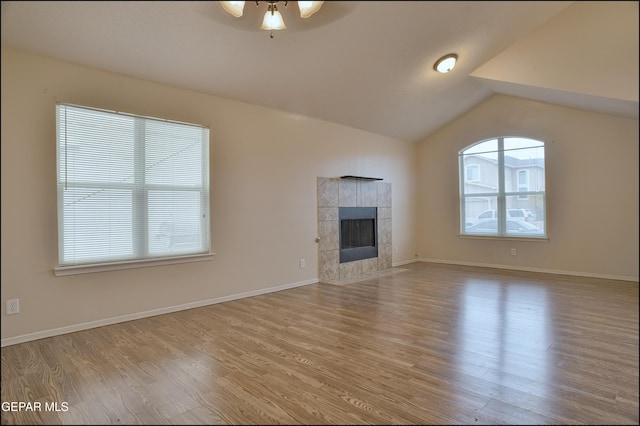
x: 446, y: 63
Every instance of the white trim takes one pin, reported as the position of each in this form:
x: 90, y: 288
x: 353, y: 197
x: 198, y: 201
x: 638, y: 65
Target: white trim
x: 138, y: 315
x: 527, y: 269
x: 131, y: 264
x: 404, y: 262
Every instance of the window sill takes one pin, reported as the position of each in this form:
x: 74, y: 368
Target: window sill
x: 102, y: 267
x: 505, y: 238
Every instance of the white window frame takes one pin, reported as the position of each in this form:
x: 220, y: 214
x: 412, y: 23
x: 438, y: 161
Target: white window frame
x: 141, y: 256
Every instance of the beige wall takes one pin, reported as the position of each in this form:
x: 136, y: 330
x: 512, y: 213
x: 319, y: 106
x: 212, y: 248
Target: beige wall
x: 264, y: 165
x: 592, y: 190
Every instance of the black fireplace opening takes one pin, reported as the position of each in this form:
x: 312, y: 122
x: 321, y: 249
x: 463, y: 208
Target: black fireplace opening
x: 358, y: 232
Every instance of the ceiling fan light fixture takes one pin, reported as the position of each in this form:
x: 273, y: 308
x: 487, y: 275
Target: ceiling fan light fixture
x: 273, y: 19
x: 446, y: 63
x: 308, y: 8
x: 235, y: 8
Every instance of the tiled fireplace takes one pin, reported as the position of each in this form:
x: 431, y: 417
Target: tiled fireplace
x: 349, y: 193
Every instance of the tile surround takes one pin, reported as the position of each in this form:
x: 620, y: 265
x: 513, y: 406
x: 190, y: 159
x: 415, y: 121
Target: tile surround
x: 334, y: 193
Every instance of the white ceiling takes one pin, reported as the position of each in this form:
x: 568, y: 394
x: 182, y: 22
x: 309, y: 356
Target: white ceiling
x: 367, y: 65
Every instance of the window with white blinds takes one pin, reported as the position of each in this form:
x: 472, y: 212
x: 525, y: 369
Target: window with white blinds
x: 130, y: 187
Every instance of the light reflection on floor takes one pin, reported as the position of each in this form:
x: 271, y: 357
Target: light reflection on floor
x: 505, y: 330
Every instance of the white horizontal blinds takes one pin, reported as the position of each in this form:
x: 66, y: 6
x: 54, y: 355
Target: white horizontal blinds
x: 129, y: 187
x: 175, y: 177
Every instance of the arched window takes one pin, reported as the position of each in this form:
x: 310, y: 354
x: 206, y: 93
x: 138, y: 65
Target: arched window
x: 505, y: 194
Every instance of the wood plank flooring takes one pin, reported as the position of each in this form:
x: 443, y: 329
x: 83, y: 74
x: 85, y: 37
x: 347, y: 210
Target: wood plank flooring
x: 435, y: 344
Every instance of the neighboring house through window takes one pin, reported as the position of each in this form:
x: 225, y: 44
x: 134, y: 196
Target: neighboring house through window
x: 523, y: 184
x: 130, y: 188
x: 502, y: 188
x: 473, y: 173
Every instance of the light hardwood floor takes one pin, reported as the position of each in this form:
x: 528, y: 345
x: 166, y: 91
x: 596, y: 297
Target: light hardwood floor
x: 434, y: 344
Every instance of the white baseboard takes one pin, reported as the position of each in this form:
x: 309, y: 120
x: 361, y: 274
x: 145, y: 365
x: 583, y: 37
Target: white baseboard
x: 138, y: 315
x: 404, y: 262
x: 527, y: 269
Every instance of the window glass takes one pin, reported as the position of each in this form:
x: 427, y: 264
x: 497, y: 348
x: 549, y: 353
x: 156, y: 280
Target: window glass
x: 510, y: 187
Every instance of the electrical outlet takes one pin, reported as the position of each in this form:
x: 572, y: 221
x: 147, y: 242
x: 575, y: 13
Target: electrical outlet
x: 302, y: 263
x: 513, y: 252
x: 13, y: 306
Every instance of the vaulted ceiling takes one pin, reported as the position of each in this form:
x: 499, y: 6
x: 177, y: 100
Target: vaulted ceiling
x: 367, y: 65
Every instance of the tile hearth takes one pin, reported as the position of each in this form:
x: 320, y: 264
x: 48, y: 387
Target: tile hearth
x: 366, y: 276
